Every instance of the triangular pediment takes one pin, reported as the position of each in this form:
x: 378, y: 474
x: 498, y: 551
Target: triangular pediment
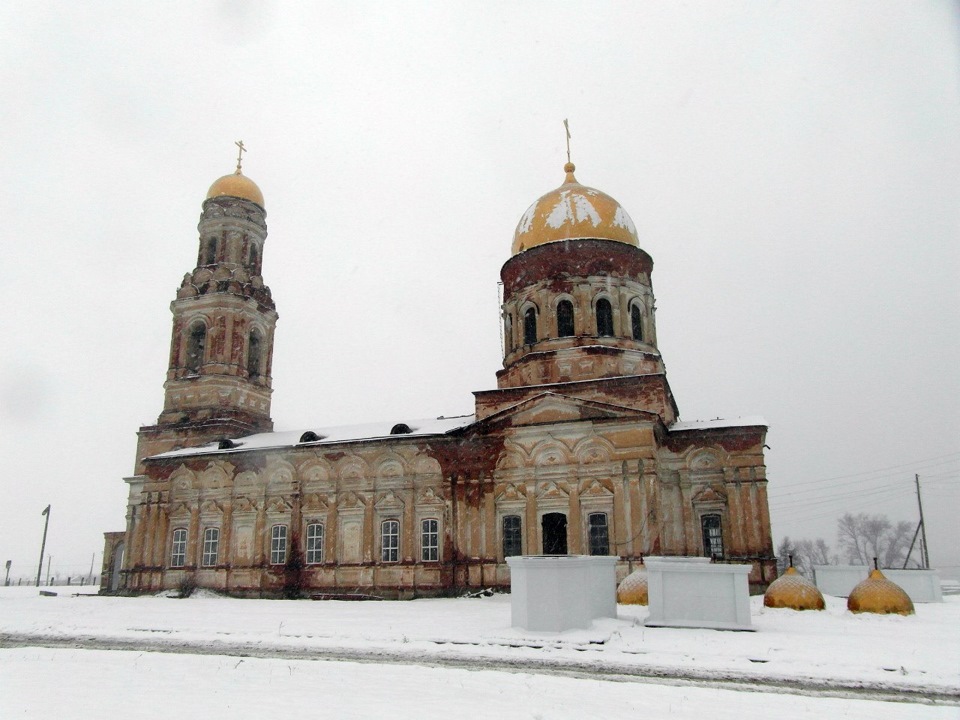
x: 710, y: 495
x: 550, y: 408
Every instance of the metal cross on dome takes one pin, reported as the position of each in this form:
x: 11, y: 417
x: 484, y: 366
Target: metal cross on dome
x: 566, y: 126
x: 242, y: 150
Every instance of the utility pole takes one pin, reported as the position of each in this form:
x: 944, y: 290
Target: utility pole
x: 923, y: 528
x: 49, y: 558
x: 43, y: 545
x: 92, y: 556
x: 6, y: 580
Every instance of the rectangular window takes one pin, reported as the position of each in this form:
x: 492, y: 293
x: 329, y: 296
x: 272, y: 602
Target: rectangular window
x: 390, y: 541
x: 429, y: 540
x: 314, y: 544
x: 211, y: 546
x: 712, y: 535
x: 178, y: 557
x: 599, y: 535
x: 278, y: 545
x: 511, y: 536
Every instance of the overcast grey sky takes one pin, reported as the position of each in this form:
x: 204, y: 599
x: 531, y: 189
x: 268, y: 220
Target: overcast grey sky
x: 793, y: 168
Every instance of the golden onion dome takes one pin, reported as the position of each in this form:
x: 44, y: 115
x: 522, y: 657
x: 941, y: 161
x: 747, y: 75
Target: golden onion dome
x: 792, y: 590
x: 632, y: 590
x: 878, y: 595
x: 573, y: 212
x: 236, y: 185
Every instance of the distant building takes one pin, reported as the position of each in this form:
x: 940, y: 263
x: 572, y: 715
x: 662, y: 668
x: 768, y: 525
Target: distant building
x: 578, y: 450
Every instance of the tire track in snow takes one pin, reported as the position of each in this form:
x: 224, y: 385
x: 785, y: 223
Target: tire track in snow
x: 595, y: 670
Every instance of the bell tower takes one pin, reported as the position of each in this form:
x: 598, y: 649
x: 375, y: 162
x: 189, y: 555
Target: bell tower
x: 218, y: 381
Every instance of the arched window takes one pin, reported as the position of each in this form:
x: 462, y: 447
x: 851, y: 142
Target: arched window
x: 512, y: 541
x: 178, y: 554
x: 390, y: 541
x: 314, y: 543
x: 211, y: 546
x: 254, y: 258
x: 429, y: 540
x: 604, y: 318
x: 636, y: 322
x: 209, y: 251
x: 278, y: 544
x: 254, y: 353
x: 196, y: 343
x: 565, y: 318
x: 712, y: 535
x: 599, y: 534
x: 508, y: 331
x: 530, y: 326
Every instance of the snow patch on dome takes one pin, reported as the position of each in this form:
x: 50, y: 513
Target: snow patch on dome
x: 526, y: 222
x: 561, y: 211
x: 573, y: 208
x: 585, y: 210
x: 621, y: 219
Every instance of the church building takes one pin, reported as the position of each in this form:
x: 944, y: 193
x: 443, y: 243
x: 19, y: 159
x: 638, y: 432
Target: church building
x: 578, y: 450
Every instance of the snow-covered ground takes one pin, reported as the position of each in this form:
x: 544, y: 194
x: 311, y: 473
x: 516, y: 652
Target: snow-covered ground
x: 425, y: 657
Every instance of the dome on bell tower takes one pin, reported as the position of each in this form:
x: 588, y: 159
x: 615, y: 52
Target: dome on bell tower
x: 236, y: 185
x: 573, y: 212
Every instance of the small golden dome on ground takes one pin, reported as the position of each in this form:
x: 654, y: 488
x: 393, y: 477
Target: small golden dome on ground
x: 876, y: 594
x: 792, y: 590
x: 573, y: 212
x: 632, y: 590
x: 236, y: 185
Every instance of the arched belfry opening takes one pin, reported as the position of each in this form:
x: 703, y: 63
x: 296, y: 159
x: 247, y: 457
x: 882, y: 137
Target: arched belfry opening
x: 196, y: 346
x: 553, y: 527
x: 530, y: 327
x: 565, y: 318
x: 636, y: 322
x: 254, y: 355
x: 604, y: 318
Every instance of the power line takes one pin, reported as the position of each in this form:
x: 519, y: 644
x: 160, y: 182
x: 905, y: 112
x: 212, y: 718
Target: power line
x: 834, y: 497
x: 838, y: 513
x: 881, y: 494
x: 916, y: 465
x: 843, y: 486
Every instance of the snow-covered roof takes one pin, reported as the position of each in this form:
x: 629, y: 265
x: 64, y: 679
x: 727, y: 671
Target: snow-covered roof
x: 746, y: 421
x: 329, y: 435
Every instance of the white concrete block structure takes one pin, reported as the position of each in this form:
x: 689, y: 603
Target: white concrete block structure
x: 554, y: 593
x: 693, y: 592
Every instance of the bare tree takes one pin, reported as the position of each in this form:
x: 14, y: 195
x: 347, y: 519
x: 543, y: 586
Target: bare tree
x: 815, y: 552
x: 806, y: 553
x: 863, y: 537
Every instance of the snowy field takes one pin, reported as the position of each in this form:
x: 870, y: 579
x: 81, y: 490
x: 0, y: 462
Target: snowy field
x: 87, y: 656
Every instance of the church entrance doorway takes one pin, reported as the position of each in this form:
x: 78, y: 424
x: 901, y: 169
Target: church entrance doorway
x: 554, y: 531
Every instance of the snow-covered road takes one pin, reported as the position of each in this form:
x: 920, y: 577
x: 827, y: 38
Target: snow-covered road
x: 461, y: 655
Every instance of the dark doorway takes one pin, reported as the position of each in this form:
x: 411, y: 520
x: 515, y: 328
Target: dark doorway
x: 554, y: 527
